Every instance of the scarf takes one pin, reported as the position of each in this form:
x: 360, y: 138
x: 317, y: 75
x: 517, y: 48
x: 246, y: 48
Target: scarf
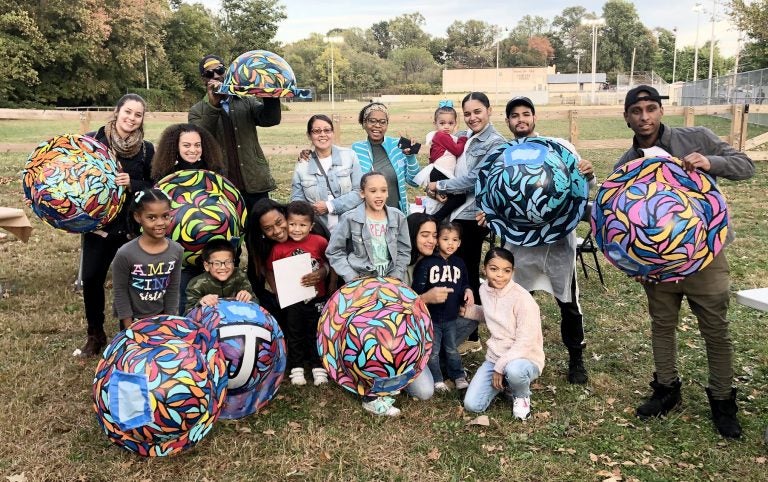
x: 125, y: 148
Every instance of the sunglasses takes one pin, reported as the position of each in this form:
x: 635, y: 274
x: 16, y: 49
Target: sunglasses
x: 325, y: 131
x: 209, y: 74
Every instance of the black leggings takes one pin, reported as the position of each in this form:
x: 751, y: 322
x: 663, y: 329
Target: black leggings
x: 453, y: 202
x: 97, y: 255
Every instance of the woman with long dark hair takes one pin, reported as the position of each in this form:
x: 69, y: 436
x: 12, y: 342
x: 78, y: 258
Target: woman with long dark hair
x: 123, y: 134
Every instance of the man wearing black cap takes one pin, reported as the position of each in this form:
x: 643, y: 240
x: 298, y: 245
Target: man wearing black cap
x: 552, y: 267
x: 708, y: 290
x: 232, y: 121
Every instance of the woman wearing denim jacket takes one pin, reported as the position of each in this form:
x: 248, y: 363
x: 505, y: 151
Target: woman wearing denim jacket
x: 483, y: 140
x: 381, y: 153
x: 330, y: 177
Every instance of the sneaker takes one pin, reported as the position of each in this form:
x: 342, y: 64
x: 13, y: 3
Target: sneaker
x: 470, y: 346
x: 297, y: 376
x: 382, y: 406
x: 441, y: 387
x: 320, y: 376
x: 521, y: 407
x: 461, y: 383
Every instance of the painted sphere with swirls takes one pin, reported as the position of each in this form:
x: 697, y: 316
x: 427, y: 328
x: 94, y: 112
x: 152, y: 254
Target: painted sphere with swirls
x: 254, y: 346
x: 374, y: 336
x: 653, y: 218
x: 160, y: 385
x: 532, y: 192
x: 259, y: 73
x: 71, y: 181
x: 204, y: 206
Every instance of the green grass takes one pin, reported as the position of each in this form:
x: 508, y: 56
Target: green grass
x: 48, y: 431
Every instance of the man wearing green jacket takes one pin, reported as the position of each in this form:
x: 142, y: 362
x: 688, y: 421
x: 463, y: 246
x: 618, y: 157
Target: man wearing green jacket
x: 232, y: 121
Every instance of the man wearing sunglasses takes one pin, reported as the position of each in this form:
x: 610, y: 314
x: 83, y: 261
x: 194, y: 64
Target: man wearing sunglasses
x: 232, y: 121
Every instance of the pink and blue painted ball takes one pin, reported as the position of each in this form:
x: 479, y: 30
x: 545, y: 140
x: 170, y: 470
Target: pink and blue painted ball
x: 254, y: 347
x: 160, y: 385
x: 204, y: 206
x: 374, y: 336
x: 654, y: 219
x: 71, y: 182
x: 261, y: 73
x: 532, y: 192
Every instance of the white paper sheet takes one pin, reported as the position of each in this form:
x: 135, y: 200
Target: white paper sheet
x: 288, y: 274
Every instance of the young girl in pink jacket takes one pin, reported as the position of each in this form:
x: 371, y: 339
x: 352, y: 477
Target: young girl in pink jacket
x: 515, y: 355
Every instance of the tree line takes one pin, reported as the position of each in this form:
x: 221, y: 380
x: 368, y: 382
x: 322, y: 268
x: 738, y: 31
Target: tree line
x: 89, y: 52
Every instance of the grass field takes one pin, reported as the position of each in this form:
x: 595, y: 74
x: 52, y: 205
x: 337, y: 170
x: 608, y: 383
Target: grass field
x: 48, y: 431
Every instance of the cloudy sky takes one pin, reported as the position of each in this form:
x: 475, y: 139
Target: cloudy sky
x: 307, y: 16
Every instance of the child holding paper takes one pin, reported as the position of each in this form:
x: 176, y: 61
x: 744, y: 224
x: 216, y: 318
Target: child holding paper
x: 301, y: 318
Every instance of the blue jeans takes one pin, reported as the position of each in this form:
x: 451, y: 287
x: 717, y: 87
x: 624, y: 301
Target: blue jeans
x: 519, y: 374
x: 423, y: 387
x: 444, y: 338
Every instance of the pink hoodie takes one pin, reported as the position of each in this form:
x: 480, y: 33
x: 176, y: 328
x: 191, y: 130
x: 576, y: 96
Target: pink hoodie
x: 514, y: 321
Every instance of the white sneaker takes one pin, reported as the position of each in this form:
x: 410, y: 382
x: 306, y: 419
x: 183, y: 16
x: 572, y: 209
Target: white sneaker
x: 382, y: 406
x: 441, y: 387
x: 461, y: 383
x: 297, y: 376
x: 521, y: 407
x: 320, y: 376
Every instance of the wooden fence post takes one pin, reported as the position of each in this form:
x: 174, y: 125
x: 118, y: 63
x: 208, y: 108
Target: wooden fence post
x: 573, y: 127
x: 336, y: 118
x: 737, y: 117
x: 688, y: 116
x: 85, y: 121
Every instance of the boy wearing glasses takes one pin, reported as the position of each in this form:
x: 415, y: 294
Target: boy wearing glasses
x: 220, y: 279
x: 232, y: 121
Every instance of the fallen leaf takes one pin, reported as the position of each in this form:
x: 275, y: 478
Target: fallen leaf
x: 326, y: 456
x: 244, y: 430
x: 17, y: 477
x: 433, y: 454
x: 268, y: 432
x: 593, y: 457
x: 294, y: 425
x: 760, y: 460
x: 541, y: 415
x: 481, y: 420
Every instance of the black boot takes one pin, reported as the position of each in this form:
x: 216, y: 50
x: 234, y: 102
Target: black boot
x: 577, y: 374
x: 724, y: 415
x: 664, y: 399
x: 95, y: 344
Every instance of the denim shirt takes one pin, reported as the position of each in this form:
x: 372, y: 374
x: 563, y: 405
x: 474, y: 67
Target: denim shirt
x: 310, y: 185
x: 479, y: 146
x: 406, y: 167
x: 350, y: 252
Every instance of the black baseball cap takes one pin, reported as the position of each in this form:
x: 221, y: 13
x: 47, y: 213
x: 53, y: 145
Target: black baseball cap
x: 520, y: 100
x: 642, y: 92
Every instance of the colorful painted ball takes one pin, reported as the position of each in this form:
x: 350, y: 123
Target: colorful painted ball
x: 204, y: 206
x: 70, y: 180
x: 160, y: 385
x: 532, y: 192
x: 263, y: 74
x: 374, y: 336
x: 653, y: 218
x: 254, y: 347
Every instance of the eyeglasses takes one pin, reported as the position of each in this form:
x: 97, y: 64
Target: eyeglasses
x: 209, y: 74
x: 377, y: 122
x: 327, y: 131
x: 222, y: 264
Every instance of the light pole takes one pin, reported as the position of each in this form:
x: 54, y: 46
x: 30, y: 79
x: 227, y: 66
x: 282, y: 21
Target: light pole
x: 498, y: 43
x: 698, y: 8
x: 595, y: 23
x: 333, y: 40
x: 711, y: 52
x: 674, y: 56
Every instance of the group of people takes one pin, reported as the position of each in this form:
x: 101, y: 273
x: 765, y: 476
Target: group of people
x: 349, y: 211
